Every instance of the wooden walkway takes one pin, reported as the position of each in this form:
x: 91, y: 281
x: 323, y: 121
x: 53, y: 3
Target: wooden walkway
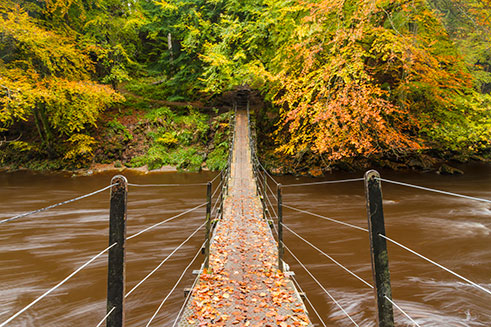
x: 243, y: 286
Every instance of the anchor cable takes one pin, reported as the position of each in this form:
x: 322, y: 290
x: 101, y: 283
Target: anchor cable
x: 326, y: 218
x: 166, y: 185
x: 322, y: 287
x: 325, y: 182
x: 436, y: 264
x: 308, y: 300
x: 163, y: 261
x: 163, y: 222
x: 105, y: 317
x: 57, y: 285
x: 434, y: 190
x: 329, y: 257
x: 187, y: 298
x: 402, y: 311
x: 173, y: 288
x: 57, y: 204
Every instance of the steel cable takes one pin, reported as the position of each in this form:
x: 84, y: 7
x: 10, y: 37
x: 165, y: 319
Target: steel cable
x: 329, y: 257
x: 105, y: 317
x: 163, y: 261
x: 322, y: 287
x: 325, y: 182
x: 402, y: 311
x: 166, y: 185
x: 308, y: 300
x: 326, y: 218
x: 163, y: 222
x: 56, y: 205
x: 434, y: 190
x: 436, y: 264
x: 264, y: 169
x: 173, y: 288
x: 187, y: 298
x: 57, y: 285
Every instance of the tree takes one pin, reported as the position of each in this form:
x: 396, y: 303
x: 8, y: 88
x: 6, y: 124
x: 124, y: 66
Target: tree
x: 46, y: 76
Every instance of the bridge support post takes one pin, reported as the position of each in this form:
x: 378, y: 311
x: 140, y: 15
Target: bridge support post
x: 208, y: 225
x: 222, y: 181
x: 280, y: 228
x: 263, y: 195
x: 378, y: 249
x: 116, y: 259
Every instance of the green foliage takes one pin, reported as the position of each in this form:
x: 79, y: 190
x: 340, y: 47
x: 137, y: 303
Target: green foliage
x: 352, y: 78
x: 218, y: 158
x: 46, y: 77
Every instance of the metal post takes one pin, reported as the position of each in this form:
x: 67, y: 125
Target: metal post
x: 263, y: 196
x: 378, y: 249
x: 280, y: 228
x: 222, y: 181
x: 208, y: 225
x: 116, y: 259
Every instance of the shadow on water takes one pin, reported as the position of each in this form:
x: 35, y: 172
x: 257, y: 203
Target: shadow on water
x: 37, y: 252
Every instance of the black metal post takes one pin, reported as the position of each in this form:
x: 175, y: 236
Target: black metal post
x: 280, y: 228
x: 263, y: 195
x: 378, y: 249
x: 208, y: 225
x: 116, y: 259
x: 222, y: 182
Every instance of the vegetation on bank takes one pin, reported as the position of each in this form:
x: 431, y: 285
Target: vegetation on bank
x: 346, y: 83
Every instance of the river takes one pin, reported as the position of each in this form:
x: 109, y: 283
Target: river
x: 38, y: 251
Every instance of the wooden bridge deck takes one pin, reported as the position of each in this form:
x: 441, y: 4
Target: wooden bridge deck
x: 243, y: 286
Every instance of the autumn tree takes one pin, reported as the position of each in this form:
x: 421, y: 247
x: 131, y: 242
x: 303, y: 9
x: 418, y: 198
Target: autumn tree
x: 46, y: 77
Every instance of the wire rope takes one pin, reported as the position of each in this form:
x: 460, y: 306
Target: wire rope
x: 105, y: 317
x: 173, y: 288
x: 326, y: 218
x: 163, y: 222
x: 322, y: 287
x: 308, y: 300
x: 163, y: 261
x: 329, y: 257
x: 56, y: 286
x: 325, y: 182
x: 402, y: 311
x: 166, y: 185
x: 436, y: 264
x: 56, y: 205
x: 434, y: 190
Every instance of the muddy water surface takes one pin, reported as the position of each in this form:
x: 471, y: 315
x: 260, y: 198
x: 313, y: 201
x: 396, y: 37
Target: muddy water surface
x: 37, y: 252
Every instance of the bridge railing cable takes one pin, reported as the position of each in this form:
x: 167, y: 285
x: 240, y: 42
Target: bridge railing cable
x: 174, y: 287
x: 105, y: 317
x: 322, y: 287
x: 57, y: 204
x: 401, y: 310
x: 324, y: 182
x: 329, y: 257
x: 326, y: 218
x: 164, y: 261
x: 308, y: 301
x: 349, y: 271
x: 165, y: 221
x: 186, y: 301
x: 436, y: 264
x: 167, y: 185
x: 57, y: 285
x: 434, y: 190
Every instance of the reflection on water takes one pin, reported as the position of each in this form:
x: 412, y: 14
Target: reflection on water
x: 37, y: 252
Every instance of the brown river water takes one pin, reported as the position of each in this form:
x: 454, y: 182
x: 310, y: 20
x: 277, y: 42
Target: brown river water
x: 38, y: 251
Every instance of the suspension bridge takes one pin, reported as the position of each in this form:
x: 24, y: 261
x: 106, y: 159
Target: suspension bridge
x: 244, y: 280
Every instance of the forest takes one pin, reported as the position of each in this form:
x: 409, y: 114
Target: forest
x: 341, y: 83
